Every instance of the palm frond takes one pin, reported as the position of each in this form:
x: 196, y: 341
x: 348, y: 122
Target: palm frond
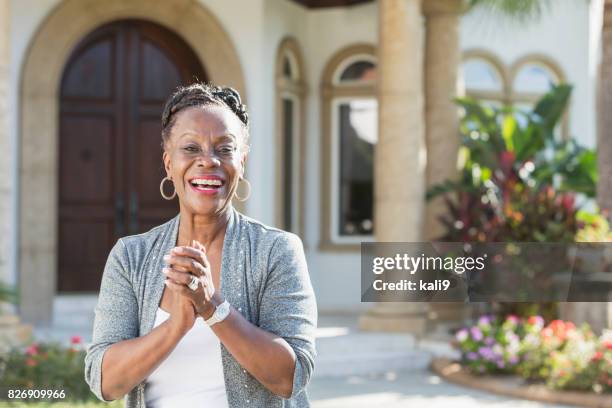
x: 519, y: 10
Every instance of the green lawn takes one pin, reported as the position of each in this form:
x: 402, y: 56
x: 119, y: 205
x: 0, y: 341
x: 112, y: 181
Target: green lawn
x: 114, y: 404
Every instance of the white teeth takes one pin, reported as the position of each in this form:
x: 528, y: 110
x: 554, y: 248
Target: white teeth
x: 207, y: 182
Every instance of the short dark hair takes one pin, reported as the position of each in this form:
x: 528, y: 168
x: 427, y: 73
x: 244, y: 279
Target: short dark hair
x: 201, y: 94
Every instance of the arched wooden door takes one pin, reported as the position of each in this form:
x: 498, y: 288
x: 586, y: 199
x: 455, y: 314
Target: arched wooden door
x: 112, y: 94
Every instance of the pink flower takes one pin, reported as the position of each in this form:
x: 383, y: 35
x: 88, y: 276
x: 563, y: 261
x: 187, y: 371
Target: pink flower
x: 513, y: 319
x: 32, y: 350
x: 598, y: 356
x: 536, y: 321
x: 76, y: 340
x: 462, y: 335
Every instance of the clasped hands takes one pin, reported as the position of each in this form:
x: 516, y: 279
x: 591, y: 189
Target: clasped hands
x: 183, y: 263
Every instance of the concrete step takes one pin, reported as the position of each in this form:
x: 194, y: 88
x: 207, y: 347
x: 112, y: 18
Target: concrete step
x: 344, y: 350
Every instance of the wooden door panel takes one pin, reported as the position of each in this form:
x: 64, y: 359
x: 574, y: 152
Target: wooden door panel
x: 158, y: 75
x: 86, y: 174
x: 91, y: 74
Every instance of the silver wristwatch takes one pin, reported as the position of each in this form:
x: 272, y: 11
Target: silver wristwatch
x: 221, y: 312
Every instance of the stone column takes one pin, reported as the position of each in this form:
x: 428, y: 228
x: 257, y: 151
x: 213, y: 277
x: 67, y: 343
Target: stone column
x: 400, y: 158
x: 604, y: 129
x: 442, y: 59
x: 11, y: 331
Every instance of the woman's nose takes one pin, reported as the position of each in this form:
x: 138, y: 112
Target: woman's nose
x: 208, y: 159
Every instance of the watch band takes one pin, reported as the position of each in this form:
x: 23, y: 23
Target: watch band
x: 221, y: 312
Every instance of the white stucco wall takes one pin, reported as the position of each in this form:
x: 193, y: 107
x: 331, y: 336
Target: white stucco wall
x: 257, y: 27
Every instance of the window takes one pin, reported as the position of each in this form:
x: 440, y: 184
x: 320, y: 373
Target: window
x: 486, y: 78
x: 290, y: 111
x: 480, y: 75
x: 354, y: 141
x: 533, y: 77
x: 350, y: 132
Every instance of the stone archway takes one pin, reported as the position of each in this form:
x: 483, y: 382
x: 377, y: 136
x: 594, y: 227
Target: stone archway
x: 49, y: 49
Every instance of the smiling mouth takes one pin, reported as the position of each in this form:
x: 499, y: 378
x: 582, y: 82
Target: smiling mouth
x: 207, y: 184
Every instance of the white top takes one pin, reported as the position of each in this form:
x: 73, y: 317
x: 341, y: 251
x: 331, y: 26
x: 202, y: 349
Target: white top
x: 192, y: 375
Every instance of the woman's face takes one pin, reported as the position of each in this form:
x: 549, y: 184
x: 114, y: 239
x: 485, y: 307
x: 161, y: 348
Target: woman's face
x: 204, y: 157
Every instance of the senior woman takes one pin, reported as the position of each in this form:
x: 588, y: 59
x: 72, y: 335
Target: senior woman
x: 254, y: 343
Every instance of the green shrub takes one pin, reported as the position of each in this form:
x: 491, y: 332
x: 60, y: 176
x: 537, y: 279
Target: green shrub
x: 47, y: 366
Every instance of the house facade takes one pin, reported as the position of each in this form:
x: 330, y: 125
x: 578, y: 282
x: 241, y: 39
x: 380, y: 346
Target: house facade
x: 82, y: 83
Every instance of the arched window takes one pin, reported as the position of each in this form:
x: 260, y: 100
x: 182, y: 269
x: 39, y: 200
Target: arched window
x: 290, y: 91
x: 521, y: 85
x: 532, y: 76
x: 484, y: 78
x: 350, y: 132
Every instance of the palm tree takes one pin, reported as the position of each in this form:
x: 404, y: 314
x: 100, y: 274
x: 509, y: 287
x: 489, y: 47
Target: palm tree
x: 518, y: 10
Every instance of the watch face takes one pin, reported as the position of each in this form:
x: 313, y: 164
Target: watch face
x: 221, y: 312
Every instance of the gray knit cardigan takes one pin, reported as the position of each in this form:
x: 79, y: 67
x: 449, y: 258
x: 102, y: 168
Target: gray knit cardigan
x: 263, y: 276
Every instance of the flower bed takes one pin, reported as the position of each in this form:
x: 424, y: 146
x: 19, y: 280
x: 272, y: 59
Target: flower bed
x: 47, y: 366
x: 558, y: 354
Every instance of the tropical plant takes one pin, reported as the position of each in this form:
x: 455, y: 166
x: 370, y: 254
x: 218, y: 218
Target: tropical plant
x: 518, y: 179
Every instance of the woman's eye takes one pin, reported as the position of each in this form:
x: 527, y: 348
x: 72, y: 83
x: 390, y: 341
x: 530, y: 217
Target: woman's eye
x: 227, y: 149
x: 191, y: 149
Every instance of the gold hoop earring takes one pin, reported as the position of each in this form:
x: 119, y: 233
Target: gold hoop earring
x: 161, y: 189
x: 248, y: 194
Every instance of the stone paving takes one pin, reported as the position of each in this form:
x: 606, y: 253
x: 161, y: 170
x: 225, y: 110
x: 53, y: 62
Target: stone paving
x: 354, y: 369
x: 408, y: 389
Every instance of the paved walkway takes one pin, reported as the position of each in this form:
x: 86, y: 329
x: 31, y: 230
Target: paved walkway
x: 412, y: 389
x: 360, y: 369
x: 354, y: 369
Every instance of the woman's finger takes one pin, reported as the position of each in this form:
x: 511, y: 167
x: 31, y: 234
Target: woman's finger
x: 175, y: 287
x: 183, y: 278
x: 190, y: 252
x: 185, y: 264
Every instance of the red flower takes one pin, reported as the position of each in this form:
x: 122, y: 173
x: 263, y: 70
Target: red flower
x: 32, y: 350
x: 76, y: 340
x: 536, y: 320
x: 597, y: 356
x: 31, y: 362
